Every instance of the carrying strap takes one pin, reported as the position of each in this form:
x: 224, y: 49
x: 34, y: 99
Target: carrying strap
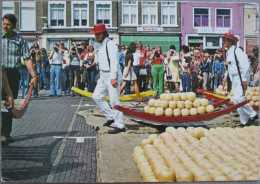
x: 239, y: 73
x: 108, y: 56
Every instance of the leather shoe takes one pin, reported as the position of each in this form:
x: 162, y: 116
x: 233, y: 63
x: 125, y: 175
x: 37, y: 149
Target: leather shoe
x: 116, y: 130
x: 6, y: 140
x: 251, y: 120
x: 108, y: 123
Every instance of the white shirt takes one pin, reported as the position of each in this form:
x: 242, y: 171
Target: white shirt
x: 137, y: 55
x: 56, y: 58
x: 113, y: 56
x: 242, y: 63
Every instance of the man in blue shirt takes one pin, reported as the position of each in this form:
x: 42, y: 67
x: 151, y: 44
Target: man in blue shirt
x: 218, y: 71
x: 13, y: 48
x: 205, y: 70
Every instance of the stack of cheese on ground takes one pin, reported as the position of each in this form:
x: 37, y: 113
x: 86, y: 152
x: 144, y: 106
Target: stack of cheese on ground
x: 222, y: 91
x: 198, y: 154
x: 251, y: 94
x: 178, y: 104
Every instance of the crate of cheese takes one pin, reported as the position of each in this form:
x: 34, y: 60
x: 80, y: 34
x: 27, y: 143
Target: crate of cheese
x: 198, y: 154
x: 222, y: 91
x: 178, y: 104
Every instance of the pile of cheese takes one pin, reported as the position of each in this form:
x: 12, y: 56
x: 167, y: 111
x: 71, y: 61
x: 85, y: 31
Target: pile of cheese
x: 178, y: 104
x: 198, y: 154
x: 251, y: 94
x: 222, y: 91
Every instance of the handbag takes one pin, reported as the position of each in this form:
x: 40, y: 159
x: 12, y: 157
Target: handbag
x: 143, y: 71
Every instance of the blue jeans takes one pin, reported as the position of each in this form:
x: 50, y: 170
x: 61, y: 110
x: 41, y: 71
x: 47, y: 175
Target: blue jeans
x: 55, y: 74
x: 25, y: 77
x: 43, y: 77
x: 91, y: 83
x: 186, y: 82
x: 217, y: 80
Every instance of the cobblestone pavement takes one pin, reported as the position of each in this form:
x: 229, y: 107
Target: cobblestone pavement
x: 52, y: 143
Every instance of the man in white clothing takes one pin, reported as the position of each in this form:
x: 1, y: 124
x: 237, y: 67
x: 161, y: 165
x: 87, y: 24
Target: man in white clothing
x: 246, y: 112
x: 110, y: 78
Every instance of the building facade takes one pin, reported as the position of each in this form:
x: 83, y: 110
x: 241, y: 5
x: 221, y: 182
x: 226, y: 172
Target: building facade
x: 251, y: 28
x: 203, y: 24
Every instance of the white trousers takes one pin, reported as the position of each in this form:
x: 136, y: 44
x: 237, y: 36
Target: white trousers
x: 103, y: 89
x: 245, y: 111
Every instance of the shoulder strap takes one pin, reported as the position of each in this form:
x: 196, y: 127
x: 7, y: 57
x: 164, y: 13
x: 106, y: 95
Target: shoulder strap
x: 108, y: 55
x: 239, y: 73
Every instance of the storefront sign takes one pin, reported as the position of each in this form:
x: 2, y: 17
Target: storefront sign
x: 153, y: 29
x: 212, y: 30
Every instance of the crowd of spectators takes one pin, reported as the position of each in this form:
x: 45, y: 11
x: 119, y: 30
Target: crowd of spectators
x: 154, y: 69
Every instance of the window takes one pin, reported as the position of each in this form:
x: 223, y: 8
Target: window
x: 169, y: 13
x: 212, y: 42
x: 201, y: 17
x: 80, y: 14
x: 149, y: 13
x: 103, y: 12
x: 129, y: 12
x: 27, y: 12
x: 57, y: 13
x: 7, y: 7
x: 223, y: 18
x: 256, y: 23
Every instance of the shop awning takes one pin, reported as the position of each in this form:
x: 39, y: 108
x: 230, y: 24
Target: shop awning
x: 163, y: 41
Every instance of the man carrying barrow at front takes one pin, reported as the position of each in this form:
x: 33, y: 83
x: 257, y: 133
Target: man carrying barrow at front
x: 110, y: 78
x: 236, y: 58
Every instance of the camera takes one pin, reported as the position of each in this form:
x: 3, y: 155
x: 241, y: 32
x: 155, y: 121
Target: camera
x: 87, y: 62
x: 55, y: 49
x: 33, y: 53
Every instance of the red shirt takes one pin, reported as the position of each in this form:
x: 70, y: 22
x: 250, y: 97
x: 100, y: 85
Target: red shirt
x: 142, y: 59
x: 84, y: 53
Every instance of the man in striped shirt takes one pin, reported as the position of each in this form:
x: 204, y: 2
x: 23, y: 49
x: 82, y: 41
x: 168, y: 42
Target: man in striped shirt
x: 13, y: 48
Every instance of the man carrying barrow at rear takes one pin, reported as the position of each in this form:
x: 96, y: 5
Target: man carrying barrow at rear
x: 110, y: 78
x: 239, y: 79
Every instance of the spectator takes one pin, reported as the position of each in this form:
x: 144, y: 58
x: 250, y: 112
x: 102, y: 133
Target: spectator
x: 218, y: 71
x: 255, y: 66
x: 90, y: 67
x: 74, y: 67
x: 122, y: 58
x: 173, y: 64
x: 25, y: 77
x: 36, y: 58
x: 84, y: 51
x: 158, y: 71
x: 205, y: 71
x: 65, y: 68
x: 196, y: 79
x: 45, y: 69
x: 55, y: 60
x: 129, y: 74
x: 186, y: 75
x: 148, y: 64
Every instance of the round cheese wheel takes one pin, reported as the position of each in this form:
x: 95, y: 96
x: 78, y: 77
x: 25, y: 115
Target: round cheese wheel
x: 255, y: 98
x: 183, y: 96
x: 188, y: 104
x: 168, y: 97
x: 151, y: 102
x: 220, y: 87
x: 221, y: 178
x: 162, y: 96
x: 159, y: 111
x: 172, y: 104
x: 252, y: 103
x: 152, y: 110
x: 257, y: 103
x: 191, y: 96
x: 177, y: 112
x: 204, y: 102
x: 218, y: 91
x: 185, y: 112
x: 249, y: 97
x: 180, y: 104
x: 176, y: 97
x: 157, y: 103
x: 196, y: 103
x: 201, y: 110
x: 193, y: 111
x: 164, y: 104
x: 210, y: 108
x: 152, y: 136
x: 146, y: 109
x: 257, y: 93
x: 168, y: 112
x: 184, y: 175
x: 145, y: 142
